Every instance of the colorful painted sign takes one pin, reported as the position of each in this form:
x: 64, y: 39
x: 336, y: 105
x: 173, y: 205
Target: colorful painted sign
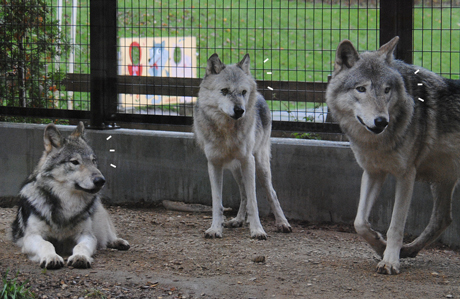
x: 161, y: 57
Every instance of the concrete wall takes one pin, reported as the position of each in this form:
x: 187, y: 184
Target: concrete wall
x: 316, y: 181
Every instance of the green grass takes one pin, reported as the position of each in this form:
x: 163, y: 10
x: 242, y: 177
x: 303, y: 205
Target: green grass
x: 445, y: 37
x: 298, y: 38
x: 93, y: 293
x: 13, y: 289
x: 285, y: 32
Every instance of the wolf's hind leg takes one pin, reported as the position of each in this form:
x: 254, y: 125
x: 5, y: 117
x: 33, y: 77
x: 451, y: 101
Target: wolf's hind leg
x: 265, y: 178
x: 371, y: 184
x: 119, y: 243
x: 441, y: 217
x: 105, y: 231
x: 242, y: 211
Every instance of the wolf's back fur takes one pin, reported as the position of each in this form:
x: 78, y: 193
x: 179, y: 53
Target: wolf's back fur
x: 402, y: 120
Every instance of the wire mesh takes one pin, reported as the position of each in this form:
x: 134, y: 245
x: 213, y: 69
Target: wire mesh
x: 288, y: 41
x: 42, y: 41
x: 164, y: 45
x: 437, y: 37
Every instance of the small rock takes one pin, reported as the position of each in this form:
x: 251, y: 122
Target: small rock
x: 259, y: 259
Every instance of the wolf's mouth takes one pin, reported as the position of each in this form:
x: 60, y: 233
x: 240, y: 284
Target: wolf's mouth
x: 92, y: 191
x: 375, y: 130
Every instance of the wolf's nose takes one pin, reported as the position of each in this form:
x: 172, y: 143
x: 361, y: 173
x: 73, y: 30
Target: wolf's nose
x: 99, y: 181
x: 381, y: 122
x: 238, y: 112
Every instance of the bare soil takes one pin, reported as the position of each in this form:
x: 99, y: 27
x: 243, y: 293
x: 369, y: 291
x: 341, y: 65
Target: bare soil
x: 170, y: 258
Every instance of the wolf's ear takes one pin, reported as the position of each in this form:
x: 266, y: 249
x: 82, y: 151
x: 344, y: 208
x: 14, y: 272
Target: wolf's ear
x: 244, y: 64
x: 52, y: 138
x: 215, y: 66
x: 79, y: 130
x: 346, y: 56
x: 388, y: 49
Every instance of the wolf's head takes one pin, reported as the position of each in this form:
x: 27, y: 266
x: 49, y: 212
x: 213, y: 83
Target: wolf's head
x: 69, y: 163
x: 365, y: 87
x: 230, y: 90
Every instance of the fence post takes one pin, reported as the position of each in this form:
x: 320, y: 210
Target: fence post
x: 104, y: 63
x: 396, y: 18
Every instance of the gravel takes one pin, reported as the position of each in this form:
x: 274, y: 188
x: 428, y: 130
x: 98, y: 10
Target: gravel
x: 170, y: 258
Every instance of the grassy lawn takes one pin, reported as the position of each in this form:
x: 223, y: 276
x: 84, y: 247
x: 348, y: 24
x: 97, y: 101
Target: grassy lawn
x: 298, y: 38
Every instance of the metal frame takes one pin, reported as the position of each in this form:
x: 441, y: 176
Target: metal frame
x: 396, y: 18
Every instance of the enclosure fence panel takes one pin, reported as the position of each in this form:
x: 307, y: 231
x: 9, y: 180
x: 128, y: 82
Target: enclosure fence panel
x: 291, y: 46
x: 148, y: 57
x: 437, y: 37
x: 43, y: 41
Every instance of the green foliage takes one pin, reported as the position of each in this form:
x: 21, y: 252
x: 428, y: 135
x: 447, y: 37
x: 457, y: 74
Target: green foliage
x: 31, y: 41
x: 306, y: 136
x: 94, y: 293
x: 13, y: 289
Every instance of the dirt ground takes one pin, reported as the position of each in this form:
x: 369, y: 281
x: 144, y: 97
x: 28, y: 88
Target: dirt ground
x: 170, y: 258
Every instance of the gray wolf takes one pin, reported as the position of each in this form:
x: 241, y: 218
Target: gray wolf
x: 401, y: 120
x: 60, y: 210
x: 232, y: 124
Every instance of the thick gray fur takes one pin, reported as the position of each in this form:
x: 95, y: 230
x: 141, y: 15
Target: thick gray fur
x: 232, y: 124
x: 60, y: 210
x: 401, y: 120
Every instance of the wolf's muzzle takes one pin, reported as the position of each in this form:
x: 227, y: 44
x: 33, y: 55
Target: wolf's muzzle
x: 99, y: 181
x: 380, y: 124
x: 238, y: 112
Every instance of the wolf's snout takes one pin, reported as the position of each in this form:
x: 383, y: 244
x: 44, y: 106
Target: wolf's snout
x: 238, y: 112
x: 381, y: 122
x: 99, y: 181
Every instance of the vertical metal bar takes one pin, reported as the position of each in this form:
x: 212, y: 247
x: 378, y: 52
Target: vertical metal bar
x: 103, y: 43
x: 396, y: 19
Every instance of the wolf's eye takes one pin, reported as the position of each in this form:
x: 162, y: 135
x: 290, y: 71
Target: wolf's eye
x: 224, y: 91
x: 387, y: 89
x: 361, y: 89
x: 75, y: 162
x: 243, y: 92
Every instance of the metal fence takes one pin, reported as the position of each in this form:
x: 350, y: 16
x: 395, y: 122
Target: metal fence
x: 143, y: 60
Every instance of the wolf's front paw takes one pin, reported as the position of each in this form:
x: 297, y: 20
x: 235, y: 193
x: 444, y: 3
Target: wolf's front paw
x: 235, y: 222
x: 259, y: 234
x: 79, y: 261
x: 119, y: 244
x: 52, y: 261
x: 213, y: 233
x: 388, y: 268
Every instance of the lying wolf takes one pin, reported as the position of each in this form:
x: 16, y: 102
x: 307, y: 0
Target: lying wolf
x: 232, y: 124
x: 401, y: 120
x: 60, y: 211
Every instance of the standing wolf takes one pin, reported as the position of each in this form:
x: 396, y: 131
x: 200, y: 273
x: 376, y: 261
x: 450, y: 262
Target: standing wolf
x: 232, y: 124
x: 401, y: 120
x: 59, y: 206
